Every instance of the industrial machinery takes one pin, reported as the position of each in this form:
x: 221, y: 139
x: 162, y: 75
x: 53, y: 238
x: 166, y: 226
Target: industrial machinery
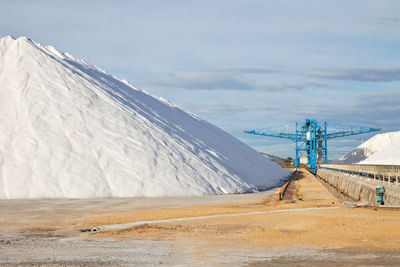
x: 312, y: 139
x: 380, y: 192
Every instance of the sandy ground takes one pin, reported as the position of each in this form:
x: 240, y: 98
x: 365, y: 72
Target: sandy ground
x: 60, y: 213
x: 30, y: 231
x: 361, y: 228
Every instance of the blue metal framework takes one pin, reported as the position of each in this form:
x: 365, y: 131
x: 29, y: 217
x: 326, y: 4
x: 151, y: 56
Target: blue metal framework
x: 312, y: 139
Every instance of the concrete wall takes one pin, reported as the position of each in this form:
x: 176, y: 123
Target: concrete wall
x: 358, y: 189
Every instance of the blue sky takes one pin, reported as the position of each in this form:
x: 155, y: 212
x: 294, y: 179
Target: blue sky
x: 238, y: 64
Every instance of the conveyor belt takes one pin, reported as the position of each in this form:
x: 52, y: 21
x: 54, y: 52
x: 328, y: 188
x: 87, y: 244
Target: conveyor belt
x: 385, y: 173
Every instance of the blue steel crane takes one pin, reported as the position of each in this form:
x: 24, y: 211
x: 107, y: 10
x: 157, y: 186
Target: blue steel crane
x: 312, y: 139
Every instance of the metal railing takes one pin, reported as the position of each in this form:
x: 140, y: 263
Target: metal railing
x: 382, y: 173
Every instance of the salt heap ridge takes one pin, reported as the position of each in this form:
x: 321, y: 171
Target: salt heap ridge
x: 70, y: 130
x: 382, y: 148
x: 368, y: 148
x: 389, y: 152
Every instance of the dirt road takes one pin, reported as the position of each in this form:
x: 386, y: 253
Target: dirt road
x: 47, y: 232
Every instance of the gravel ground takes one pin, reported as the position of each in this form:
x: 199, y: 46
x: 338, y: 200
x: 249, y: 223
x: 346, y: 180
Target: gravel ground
x: 26, y: 249
x: 29, y: 250
x: 46, y: 232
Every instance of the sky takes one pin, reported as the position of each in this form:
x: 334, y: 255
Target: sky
x: 240, y: 64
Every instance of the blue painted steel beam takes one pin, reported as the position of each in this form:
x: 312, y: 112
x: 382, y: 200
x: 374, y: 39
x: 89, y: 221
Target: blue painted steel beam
x: 312, y: 140
x: 351, y: 132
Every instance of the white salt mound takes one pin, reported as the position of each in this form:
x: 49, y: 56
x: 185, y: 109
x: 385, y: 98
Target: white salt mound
x: 389, y: 154
x: 372, y: 146
x: 70, y: 130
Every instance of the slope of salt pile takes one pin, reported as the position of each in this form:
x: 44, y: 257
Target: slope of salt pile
x: 370, y: 147
x: 389, y: 155
x: 68, y: 129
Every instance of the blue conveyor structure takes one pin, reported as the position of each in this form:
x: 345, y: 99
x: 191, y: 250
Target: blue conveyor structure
x: 312, y: 139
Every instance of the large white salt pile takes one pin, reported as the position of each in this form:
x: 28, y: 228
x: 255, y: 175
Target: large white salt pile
x: 374, y: 145
x: 68, y: 129
x: 388, y: 155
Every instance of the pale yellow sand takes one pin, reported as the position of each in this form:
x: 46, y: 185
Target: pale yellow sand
x: 361, y: 228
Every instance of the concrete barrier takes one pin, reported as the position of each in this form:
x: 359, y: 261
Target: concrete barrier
x: 359, y: 189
